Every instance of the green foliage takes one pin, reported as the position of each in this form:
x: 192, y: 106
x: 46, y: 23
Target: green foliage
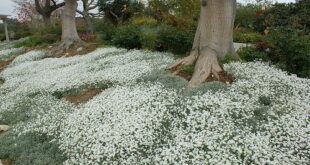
x: 16, y: 30
x: 214, y: 87
x: 144, y: 21
x: 175, y: 40
x: 264, y: 100
x: 165, y: 78
x: 293, y: 15
x: 159, y: 37
x: 39, y: 40
x: 247, y: 37
x: 230, y: 58
x: 119, y: 11
x: 148, y: 38
x: 2, y: 36
x: 187, y: 69
x: 42, y: 37
x: 1, y: 80
x: 291, y: 49
x: 181, y: 8
x: 127, y: 37
x: 105, y: 31
x: 246, y: 15
x: 251, y: 54
x: 30, y: 149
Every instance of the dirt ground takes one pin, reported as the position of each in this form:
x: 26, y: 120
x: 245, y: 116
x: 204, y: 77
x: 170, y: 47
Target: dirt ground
x: 83, y: 96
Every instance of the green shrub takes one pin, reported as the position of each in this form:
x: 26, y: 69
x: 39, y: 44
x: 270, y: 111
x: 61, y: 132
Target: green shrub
x: 292, y: 15
x: 39, y: 40
x: 247, y: 37
x: 127, y: 37
x: 290, y: 50
x: 174, y: 40
x: 2, y: 37
x: 105, y: 31
x: 144, y: 21
x: 251, y: 54
x: 230, y: 58
x: 148, y: 38
x: 246, y: 15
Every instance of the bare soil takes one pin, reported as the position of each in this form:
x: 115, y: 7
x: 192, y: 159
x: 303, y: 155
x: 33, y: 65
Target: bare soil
x: 224, y: 76
x: 4, y: 64
x: 83, y: 96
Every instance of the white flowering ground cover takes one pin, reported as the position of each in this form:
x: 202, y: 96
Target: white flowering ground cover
x: 7, y: 49
x: 147, y: 116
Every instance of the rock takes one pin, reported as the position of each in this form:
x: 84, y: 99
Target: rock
x: 79, y: 49
x: 6, y: 162
x: 50, y: 47
x: 241, y: 45
x: 4, y: 128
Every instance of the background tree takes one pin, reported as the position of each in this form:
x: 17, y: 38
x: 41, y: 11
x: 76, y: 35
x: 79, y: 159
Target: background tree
x: 88, y: 5
x: 46, y: 8
x: 119, y: 11
x: 26, y: 11
x: 213, y: 41
x: 182, y: 8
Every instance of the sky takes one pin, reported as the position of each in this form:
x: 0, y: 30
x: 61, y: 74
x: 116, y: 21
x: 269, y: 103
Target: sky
x: 7, y: 6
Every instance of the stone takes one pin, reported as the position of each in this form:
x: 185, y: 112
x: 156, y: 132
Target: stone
x: 241, y: 45
x: 80, y: 49
x: 4, y: 128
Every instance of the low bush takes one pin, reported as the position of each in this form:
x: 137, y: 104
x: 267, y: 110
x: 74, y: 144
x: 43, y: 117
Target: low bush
x: 247, y: 37
x: 291, y: 50
x: 246, y: 15
x: 252, y: 54
x: 148, y: 38
x: 39, y: 40
x: 174, y: 40
x: 105, y: 31
x: 144, y: 21
x: 292, y: 15
x: 127, y: 37
x: 286, y: 48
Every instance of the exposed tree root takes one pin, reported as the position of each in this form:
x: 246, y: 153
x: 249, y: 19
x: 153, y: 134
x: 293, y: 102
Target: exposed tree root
x: 189, y: 60
x: 207, y: 68
x: 67, y: 49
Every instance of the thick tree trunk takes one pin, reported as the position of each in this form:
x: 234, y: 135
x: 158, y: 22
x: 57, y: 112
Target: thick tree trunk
x: 213, y: 41
x: 69, y: 32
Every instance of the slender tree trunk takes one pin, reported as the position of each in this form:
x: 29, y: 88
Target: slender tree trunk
x: 47, y: 20
x: 89, y: 25
x: 213, y: 41
x: 6, y: 30
x: 69, y: 32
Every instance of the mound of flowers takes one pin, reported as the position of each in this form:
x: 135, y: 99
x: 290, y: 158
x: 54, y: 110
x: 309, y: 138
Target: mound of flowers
x: 262, y: 118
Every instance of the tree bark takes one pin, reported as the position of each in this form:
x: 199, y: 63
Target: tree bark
x: 47, y: 19
x: 69, y: 32
x: 47, y: 9
x: 89, y: 25
x: 213, y: 41
x: 6, y: 30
